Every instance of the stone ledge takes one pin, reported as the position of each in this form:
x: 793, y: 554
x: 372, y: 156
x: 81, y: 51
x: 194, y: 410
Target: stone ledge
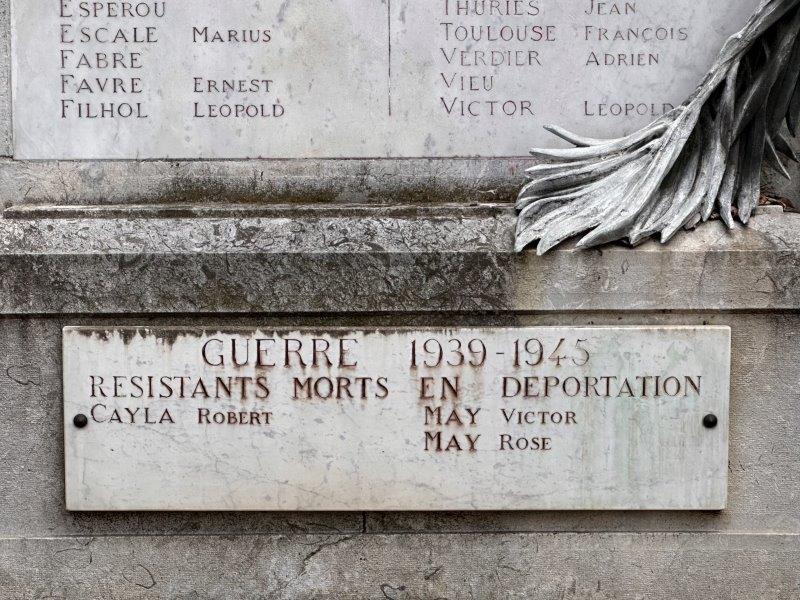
x: 330, y: 181
x: 375, y: 262
x: 404, y: 567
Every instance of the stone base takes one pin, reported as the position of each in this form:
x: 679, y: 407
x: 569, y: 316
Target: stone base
x: 413, y: 267
x: 602, y: 566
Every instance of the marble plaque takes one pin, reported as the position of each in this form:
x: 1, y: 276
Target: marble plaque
x: 352, y: 78
x: 396, y: 419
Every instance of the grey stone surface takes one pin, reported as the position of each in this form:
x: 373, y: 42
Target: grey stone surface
x: 404, y: 567
x: 776, y: 185
x: 259, y: 181
x: 32, y: 466
x: 165, y: 455
x: 355, y: 79
x: 5, y: 81
x: 384, y: 183
x: 763, y: 480
x: 388, y: 182
x: 419, y: 265
x: 368, y: 263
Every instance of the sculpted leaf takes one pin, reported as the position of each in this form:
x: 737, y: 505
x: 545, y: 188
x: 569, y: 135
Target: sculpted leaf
x: 702, y: 157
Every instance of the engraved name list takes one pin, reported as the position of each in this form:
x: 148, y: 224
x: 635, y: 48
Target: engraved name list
x: 533, y: 415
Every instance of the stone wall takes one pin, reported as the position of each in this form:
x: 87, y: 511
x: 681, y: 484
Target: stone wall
x: 401, y: 270
x: 378, y: 182
x: 430, y: 245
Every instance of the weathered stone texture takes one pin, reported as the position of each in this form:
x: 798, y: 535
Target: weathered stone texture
x: 264, y: 182
x: 776, y: 185
x: 309, y: 264
x: 398, y: 266
x: 387, y: 182
x: 404, y: 567
x: 398, y: 269
x: 5, y: 83
x: 763, y: 489
x: 763, y: 417
x: 367, y: 82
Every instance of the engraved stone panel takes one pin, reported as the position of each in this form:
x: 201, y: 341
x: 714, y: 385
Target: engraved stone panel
x: 354, y: 78
x: 396, y: 419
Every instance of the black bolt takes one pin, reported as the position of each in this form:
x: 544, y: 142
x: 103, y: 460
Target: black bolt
x: 80, y: 421
x: 710, y: 421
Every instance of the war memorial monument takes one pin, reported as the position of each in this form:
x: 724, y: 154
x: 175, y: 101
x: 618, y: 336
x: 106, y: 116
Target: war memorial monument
x: 405, y: 299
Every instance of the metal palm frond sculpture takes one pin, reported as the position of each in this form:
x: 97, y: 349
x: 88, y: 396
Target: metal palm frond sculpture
x: 704, y: 156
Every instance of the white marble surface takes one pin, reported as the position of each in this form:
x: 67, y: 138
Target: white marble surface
x: 355, y: 78
x: 614, y: 448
